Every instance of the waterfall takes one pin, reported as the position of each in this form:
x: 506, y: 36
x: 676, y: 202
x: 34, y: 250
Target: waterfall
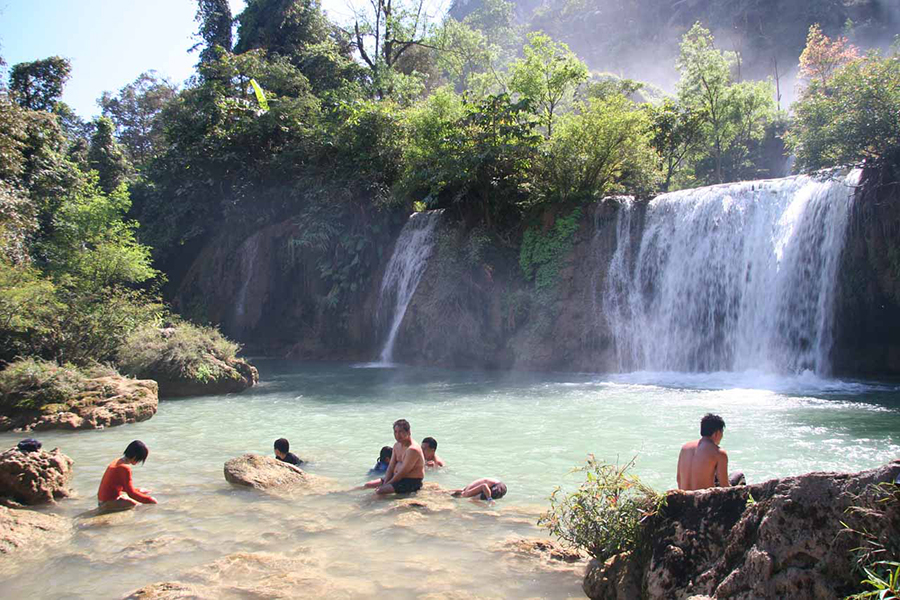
x: 248, y: 253
x: 403, y: 273
x: 730, y: 278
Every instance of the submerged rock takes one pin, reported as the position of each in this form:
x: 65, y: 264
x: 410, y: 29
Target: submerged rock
x: 105, y: 402
x: 264, y: 473
x: 35, y: 477
x: 260, y: 575
x: 543, y: 549
x: 27, y: 530
x: 779, y: 539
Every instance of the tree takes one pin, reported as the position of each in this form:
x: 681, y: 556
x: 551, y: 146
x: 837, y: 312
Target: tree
x: 601, y: 148
x: 384, y: 32
x: 283, y: 27
x: 676, y: 134
x: 705, y: 79
x: 298, y: 31
x: 822, y: 57
x: 106, y: 157
x: 547, y: 76
x: 215, y: 20
x: 136, y: 113
x: 38, y: 85
x: 855, y: 117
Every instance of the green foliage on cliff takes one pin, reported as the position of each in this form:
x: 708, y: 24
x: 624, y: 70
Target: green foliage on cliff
x: 542, y: 255
x: 179, y: 351
x: 603, y: 516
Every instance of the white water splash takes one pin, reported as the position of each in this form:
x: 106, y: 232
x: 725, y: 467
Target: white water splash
x: 731, y: 278
x: 404, y: 272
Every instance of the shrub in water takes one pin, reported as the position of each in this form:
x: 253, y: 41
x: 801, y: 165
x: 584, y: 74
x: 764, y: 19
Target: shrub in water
x: 184, y: 351
x: 604, y: 516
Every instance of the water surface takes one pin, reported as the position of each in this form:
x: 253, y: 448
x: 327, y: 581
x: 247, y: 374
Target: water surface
x: 528, y: 429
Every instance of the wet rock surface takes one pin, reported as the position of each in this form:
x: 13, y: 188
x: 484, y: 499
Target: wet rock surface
x: 787, y: 541
x: 106, y: 402
x: 28, y: 531
x: 266, y: 473
x: 35, y: 477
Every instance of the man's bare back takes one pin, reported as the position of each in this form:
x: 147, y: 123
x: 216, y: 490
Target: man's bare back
x: 698, y: 464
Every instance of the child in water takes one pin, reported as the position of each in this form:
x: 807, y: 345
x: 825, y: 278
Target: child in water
x: 117, y: 492
x: 384, y: 459
x: 381, y: 466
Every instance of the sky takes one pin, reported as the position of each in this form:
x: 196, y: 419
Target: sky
x: 110, y: 42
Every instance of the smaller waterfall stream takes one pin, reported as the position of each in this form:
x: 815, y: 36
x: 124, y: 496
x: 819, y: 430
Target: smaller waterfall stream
x: 404, y: 272
x: 730, y: 277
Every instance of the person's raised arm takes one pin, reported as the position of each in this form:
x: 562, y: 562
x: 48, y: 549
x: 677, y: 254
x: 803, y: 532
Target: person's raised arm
x: 722, y: 469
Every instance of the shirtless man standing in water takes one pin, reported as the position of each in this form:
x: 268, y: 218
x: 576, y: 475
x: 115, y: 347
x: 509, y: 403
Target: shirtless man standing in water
x: 702, y: 463
x: 407, y: 467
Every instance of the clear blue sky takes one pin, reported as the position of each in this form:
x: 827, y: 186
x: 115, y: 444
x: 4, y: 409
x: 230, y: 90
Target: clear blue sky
x: 110, y: 42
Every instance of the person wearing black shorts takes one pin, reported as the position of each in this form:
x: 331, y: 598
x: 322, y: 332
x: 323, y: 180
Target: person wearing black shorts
x: 407, y: 467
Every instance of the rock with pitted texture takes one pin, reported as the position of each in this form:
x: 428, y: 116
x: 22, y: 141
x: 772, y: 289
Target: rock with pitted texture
x: 27, y: 530
x: 104, y: 402
x: 784, y: 538
x: 236, y: 376
x: 264, y: 473
x: 35, y: 477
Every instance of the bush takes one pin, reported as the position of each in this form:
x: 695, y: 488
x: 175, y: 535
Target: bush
x: 874, y: 520
x: 30, y: 384
x: 184, y: 351
x: 604, y: 516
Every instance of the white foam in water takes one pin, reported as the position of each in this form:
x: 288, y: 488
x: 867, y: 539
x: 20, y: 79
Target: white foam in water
x: 403, y: 274
x: 731, y: 277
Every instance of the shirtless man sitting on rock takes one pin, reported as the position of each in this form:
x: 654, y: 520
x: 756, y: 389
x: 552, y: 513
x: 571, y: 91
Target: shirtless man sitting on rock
x: 702, y: 464
x: 406, y: 470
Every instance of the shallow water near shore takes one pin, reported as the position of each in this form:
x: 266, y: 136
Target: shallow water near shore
x: 528, y: 429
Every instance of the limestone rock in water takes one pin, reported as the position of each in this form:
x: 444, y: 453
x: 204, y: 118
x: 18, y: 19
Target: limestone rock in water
x: 106, y: 401
x: 546, y: 550
x: 264, y: 473
x: 787, y: 542
x: 239, y: 375
x: 35, y: 477
x: 23, y: 530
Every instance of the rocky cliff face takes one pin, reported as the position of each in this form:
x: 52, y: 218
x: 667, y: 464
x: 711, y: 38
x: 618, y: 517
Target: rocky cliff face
x: 779, y: 539
x: 474, y: 308
x: 868, y: 307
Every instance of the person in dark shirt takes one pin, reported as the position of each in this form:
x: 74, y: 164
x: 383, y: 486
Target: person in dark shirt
x: 284, y: 454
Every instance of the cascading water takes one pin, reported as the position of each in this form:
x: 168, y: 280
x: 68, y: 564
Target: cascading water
x: 403, y: 273
x: 248, y: 252
x: 732, y: 277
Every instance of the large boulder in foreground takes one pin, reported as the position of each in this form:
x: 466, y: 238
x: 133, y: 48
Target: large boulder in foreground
x: 779, y: 539
x: 35, y: 477
x: 27, y: 530
x: 102, y: 402
x: 264, y: 473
